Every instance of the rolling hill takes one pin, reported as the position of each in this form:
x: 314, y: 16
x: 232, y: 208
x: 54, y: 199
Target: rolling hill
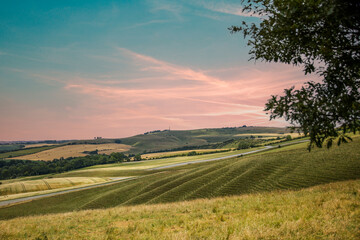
x: 329, y: 211
x: 280, y: 169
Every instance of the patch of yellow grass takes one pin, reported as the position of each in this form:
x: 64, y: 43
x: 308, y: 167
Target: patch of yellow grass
x: 75, y: 151
x: 164, y: 154
x: 39, y: 145
x: 46, y: 184
x: 330, y: 211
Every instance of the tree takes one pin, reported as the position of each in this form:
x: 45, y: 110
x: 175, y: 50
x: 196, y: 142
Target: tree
x: 117, y: 157
x: 323, y: 37
x: 137, y: 157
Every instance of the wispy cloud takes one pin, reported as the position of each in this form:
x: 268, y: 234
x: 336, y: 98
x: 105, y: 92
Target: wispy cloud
x: 143, y: 24
x: 173, y: 7
x: 179, y: 72
x: 225, y: 8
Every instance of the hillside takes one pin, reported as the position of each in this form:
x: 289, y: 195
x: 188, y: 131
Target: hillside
x: 165, y: 140
x: 155, y: 141
x: 284, y: 168
x: 328, y: 211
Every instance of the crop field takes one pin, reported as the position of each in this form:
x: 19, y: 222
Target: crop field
x: 177, y: 153
x: 75, y: 151
x: 46, y: 184
x: 329, y: 211
x: 285, y: 169
x: 23, y: 152
x: 148, y: 164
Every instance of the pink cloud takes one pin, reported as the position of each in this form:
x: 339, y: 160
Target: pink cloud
x: 178, y: 72
x: 158, y: 94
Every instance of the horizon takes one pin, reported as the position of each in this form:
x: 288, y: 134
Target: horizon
x: 75, y: 70
x: 150, y: 131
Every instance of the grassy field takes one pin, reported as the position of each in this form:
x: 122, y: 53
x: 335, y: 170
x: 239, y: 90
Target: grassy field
x: 26, y: 151
x: 103, y: 170
x: 285, y: 168
x: 330, y: 211
x: 10, y: 147
x: 156, y: 141
x: 74, y: 151
x: 165, y: 140
x: 178, y: 153
x: 39, y: 145
x: 46, y: 184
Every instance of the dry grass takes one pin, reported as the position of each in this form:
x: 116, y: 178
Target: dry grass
x: 75, y: 151
x: 46, y: 184
x: 174, y: 153
x: 330, y: 211
x: 158, y: 162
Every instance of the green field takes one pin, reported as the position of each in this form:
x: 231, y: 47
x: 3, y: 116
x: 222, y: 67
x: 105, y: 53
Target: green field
x: 10, y: 147
x: 284, y: 168
x: 147, y: 164
x: 165, y: 140
x: 330, y: 211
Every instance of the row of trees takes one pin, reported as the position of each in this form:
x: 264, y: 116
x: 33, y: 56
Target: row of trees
x: 19, y: 168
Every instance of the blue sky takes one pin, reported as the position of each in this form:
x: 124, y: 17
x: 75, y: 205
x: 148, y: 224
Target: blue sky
x: 79, y: 69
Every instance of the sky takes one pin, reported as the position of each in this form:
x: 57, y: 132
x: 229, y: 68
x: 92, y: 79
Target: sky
x: 80, y: 69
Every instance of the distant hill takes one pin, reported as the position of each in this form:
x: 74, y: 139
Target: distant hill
x: 161, y: 140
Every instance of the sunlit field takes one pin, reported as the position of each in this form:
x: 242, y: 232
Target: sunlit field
x: 45, y: 184
x: 75, y: 151
x: 330, y: 211
x: 282, y: 168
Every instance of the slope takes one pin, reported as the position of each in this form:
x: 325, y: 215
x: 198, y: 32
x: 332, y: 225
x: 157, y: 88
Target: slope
x: 278, y: 170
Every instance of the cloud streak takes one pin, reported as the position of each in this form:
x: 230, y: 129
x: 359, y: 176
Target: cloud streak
x: 174, y: 71
x: 225, y: 8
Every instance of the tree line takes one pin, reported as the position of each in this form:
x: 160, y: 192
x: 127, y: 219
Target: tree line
x: 21, y: 168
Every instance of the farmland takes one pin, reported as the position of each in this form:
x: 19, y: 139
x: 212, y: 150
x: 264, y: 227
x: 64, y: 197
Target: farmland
x: 45, y: 184
x: 26, y: 151
x: 323, y: 212
x: 279, y: 169
x: 158, y: 141
x: 179, y: 153
x: 75, y: 151
x: 190, y: 139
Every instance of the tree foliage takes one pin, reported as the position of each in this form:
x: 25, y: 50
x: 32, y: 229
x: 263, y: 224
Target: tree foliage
x: 323, y: 37
x: 19, y: 168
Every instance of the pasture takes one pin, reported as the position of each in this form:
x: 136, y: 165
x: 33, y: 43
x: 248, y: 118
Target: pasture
x: 329, y: 211
x: 74, y: 151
